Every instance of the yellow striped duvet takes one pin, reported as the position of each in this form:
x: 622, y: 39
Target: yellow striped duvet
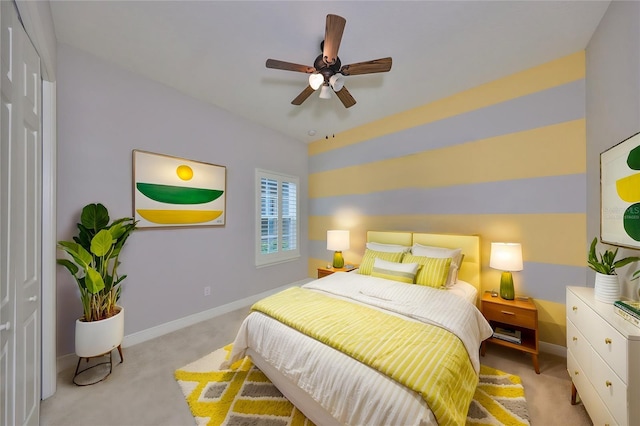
x: 423, y: 357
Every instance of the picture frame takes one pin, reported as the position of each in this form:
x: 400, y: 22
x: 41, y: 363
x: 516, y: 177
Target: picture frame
x: 620, y: 193
x: 174, y: 192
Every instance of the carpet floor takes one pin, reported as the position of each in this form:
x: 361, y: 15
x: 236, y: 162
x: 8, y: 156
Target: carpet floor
x: 243, y: 395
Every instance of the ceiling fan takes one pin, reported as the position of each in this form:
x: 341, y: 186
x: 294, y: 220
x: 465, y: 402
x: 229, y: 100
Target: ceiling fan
x: 327, y: 71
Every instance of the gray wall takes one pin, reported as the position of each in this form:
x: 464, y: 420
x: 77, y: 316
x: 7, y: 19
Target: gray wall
x: 613, y: 106
x: 103, y: 114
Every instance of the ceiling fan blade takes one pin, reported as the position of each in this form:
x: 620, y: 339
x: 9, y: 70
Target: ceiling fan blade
x: 303, y: 96
x: 288, y: 66
x: 368, y: 67
x: 332, y: 38
x: 345, y: 97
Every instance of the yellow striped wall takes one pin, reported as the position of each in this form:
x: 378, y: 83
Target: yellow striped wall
x: 505, y: 160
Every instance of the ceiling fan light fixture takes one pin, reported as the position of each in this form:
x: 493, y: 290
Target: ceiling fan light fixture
x: 325, y: 92
x: 316, y: 80
x: 337, y: 82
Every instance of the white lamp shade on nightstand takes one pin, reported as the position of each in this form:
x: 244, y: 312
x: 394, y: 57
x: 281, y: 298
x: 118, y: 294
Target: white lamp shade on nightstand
x: 338, y: 240
x: 506, y: 257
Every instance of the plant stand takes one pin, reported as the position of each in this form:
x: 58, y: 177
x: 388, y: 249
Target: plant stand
x: 99, y: 364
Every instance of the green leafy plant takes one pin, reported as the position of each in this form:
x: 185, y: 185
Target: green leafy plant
x: 94, y: 254
x: 606, y: 263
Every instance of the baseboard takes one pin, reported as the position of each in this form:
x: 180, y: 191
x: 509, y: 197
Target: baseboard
x: 553, y: 349
x: 160, y: 330
x: 67, y: 361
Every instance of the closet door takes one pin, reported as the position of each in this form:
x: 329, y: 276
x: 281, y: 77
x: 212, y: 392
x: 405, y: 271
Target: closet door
x: 20, y: 222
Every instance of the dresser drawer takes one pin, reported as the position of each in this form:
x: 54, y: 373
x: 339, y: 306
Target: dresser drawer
x: 511, y: 315
x: 611, y: 389
x: 611, y: 346
x: 600, y: 415
x: 577, y: 312
x: 597, y: 409
x: 579, y: 347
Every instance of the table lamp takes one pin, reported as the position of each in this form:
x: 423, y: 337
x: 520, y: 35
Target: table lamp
x: 506, y: 257
x: 337, y: 241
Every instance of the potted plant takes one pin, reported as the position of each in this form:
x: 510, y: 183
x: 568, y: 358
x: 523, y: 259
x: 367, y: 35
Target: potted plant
x: 94, y: 259
x: 607, y: 288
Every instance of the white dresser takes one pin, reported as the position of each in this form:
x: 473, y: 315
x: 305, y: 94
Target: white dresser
x: 603, y: 359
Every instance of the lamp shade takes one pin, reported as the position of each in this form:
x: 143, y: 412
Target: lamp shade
x: 316, y: 80
x: 337, y: 240
x: 506, y: 256
x: 325, y: 92
x: 337, y: 82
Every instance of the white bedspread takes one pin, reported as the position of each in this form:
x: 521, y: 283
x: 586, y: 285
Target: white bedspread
x: 352, y: 392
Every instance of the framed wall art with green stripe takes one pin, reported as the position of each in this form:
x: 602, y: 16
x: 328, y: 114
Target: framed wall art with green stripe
x: 620, y: 193
x: 176, y: 192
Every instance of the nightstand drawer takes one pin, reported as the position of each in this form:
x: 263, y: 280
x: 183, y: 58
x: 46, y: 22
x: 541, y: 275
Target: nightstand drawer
x: 512, y: 315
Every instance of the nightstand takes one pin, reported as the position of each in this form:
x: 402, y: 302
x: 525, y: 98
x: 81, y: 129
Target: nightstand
x: 323, y: 272
x: 515, y: 314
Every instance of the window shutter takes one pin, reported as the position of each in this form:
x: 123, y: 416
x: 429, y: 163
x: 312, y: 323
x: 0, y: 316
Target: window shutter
x: 277, y: 218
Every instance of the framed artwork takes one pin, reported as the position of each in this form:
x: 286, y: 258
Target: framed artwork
x: 620, y: 193
x: 176, y: 192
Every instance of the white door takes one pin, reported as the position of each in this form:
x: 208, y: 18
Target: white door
x: 20, y: 227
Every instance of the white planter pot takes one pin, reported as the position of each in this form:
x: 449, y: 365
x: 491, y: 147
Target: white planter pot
x: 99, y: 337
x: 607, y: 288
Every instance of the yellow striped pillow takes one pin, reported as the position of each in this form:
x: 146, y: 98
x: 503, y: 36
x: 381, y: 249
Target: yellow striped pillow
x: 366, y: 266
x: 433, y: 272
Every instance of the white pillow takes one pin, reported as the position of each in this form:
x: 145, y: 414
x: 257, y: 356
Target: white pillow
x: 388, y: 248
x: 403, y: 272
x: 441, y: 252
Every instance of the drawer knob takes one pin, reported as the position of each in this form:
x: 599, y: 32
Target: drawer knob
x: 607, y: 341
x: 575, y: 339
x: 575, y: 308
x: 507, y: 313
x: 608, y: 383
x: 576, y: 372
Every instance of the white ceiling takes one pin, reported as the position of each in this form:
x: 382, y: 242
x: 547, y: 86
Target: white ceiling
x: 215, y: 51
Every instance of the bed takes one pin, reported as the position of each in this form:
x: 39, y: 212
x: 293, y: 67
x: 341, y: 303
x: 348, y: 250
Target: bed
x: 359, y: 352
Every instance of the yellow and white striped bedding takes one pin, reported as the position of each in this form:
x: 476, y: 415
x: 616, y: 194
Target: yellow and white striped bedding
x: 352, y: 392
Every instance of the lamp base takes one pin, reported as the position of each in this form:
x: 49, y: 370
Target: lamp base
x: 338, y: 260
x: 507, y: 291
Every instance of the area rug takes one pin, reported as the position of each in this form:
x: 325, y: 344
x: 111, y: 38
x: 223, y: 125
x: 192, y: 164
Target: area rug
x: 243, y: 395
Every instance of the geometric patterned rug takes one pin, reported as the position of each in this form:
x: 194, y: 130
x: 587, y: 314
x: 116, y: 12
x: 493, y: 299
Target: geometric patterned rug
x: 243, y: 395
x: 498, y: 400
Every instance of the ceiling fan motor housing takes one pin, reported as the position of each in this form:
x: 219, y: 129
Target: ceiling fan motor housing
x: 326, y: 70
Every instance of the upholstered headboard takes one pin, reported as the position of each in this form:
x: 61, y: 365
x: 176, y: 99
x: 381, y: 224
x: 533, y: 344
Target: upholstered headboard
x: 384, y: 237
x: 470, y: 245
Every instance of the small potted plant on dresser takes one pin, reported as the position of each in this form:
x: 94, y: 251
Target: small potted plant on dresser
x: 607, y: 287
x: 94, y: 259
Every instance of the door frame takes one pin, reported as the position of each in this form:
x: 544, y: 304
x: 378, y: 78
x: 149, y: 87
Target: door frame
x: 49, y: 370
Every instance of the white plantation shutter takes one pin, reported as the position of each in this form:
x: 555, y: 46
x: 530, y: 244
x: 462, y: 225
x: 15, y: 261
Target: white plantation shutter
x: 289, y: 216
x: 268, y: 216
x: 277, y: 227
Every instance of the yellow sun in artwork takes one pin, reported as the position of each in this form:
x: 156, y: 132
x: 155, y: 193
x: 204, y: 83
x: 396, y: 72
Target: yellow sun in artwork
x: 184, y: 172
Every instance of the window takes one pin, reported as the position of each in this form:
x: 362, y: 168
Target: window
x: 277, y: 218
